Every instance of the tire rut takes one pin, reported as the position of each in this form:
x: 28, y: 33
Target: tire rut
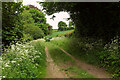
x: 95, y: 71
x: 53, y: 71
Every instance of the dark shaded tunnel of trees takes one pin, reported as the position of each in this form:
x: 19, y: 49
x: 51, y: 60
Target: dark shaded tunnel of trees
x: 93, y: 20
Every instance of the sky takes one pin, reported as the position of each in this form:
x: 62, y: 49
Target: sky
x: 62, y: 16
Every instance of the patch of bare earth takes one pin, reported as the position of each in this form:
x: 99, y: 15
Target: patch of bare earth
x: 95, y: 71
x: 53, y: 71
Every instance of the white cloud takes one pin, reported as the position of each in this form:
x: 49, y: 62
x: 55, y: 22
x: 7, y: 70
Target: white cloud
x: 59, y: 16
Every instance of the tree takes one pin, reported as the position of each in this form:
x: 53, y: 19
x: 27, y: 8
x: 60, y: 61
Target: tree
x: 29, y: 26
x: 26, y: 18
x: 38, y: 16
x: 62, y: 26
x: 40, y: 20
x: 71, y: 25
x: 94, y: 20
x: 11, y: 25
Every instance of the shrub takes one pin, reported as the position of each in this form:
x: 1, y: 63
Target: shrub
x: 27, y: 37
x: 34, y: 31
x: 110, y: 57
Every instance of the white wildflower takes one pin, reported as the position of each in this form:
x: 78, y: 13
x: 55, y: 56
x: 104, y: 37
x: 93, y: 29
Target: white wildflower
x: 6, y: 65
x: 37, y: 56
x: 13, y: 61
x: 3, y: 76
x: 12, y: 47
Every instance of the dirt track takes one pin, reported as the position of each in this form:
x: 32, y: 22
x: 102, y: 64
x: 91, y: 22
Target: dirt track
x: 95, y: 71
x: 53, y: 71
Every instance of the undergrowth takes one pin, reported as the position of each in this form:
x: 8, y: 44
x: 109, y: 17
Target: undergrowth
x: 24, y: 61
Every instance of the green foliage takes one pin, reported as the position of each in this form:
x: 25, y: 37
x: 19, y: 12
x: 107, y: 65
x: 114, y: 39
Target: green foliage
x: 71, y: 24
x: 0, y: 66
x: 38, y: 16
x: 70, y: 28
x: 110, y: 57
x: 34, y: 31
x: 47, y: 38
x: 94, y: 20
x: 49, y: 29
x: 11, y: 24
x: 93, y: 52
x: 27, y: 18
x: 24, y: 61
x: 62, y: 26
x: 29, y: 26
x: 40, y: 21
x: 60, y: 33
x: 27, y: 37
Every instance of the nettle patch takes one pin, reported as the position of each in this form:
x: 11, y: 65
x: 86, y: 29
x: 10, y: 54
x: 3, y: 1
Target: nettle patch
x: 22, y: 61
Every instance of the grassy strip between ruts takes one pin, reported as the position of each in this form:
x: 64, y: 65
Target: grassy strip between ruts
x: 66, y: 63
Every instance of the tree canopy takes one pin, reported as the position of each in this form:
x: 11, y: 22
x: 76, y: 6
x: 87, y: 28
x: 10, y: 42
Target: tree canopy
x: 29, y: 26
x: 62, y: 26
x: 95, y: 20
x: 40, y: 20
x: 11, y: 24
x: 19, y: 21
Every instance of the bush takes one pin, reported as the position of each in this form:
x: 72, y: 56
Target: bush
x: 23, y: 61
x: 34, y: 31
x: 110, y: 57
x: 27, y: 37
